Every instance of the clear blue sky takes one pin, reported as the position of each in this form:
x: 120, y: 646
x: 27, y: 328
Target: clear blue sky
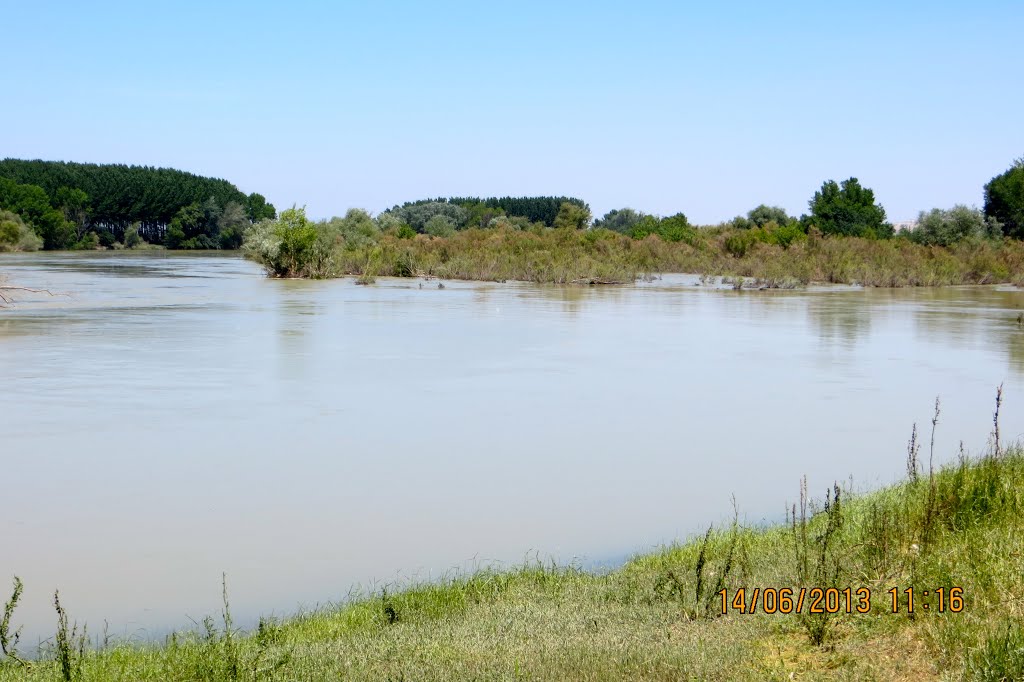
x: 706, y: 108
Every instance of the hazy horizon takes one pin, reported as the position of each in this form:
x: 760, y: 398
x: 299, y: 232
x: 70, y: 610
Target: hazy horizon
x: 709, y: 111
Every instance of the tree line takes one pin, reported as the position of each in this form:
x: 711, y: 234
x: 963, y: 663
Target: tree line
x: 68, y: 205
x: 457, y: 213
x: 849, y: 209
x: 76, y: 204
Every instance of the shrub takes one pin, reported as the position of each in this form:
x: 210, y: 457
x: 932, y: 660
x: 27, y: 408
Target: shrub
x: 946, y: 227
x: 131, y: 237
x: 15, y: 235
x: 439, y: 226
x: 739, y: 243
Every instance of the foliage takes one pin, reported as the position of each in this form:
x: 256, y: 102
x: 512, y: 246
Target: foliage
x: 675, y: 228
x: 762, y: 216
x: 945, y: 227
x: 88, y: 242
x: 131, y: 237
x: 231, y: 226
x: 417, y: 215
x: 33, y: 205
x: 440, y: 226
x: 849, y: 210
x: 572, y: 216
x: 1004, y: 200
x: 619, y: 220
x: 291, y: 246
x: 113, y: 197
x: 257, y: 208
x: 533, y: 209
x: 357, y: 229
x: 480, y: 214
x: 15, y: 235
x: 75, y: 205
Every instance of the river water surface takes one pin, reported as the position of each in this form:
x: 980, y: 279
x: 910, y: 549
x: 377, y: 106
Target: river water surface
x: 179, y: 416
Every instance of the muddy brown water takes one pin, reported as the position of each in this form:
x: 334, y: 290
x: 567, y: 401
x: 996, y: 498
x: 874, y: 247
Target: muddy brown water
x: 179, y: 416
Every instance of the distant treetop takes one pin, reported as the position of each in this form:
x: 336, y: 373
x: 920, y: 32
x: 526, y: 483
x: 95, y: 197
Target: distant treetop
x: 116, y: 195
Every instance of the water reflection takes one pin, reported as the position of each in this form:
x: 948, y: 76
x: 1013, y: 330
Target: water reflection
x: 840, y: 320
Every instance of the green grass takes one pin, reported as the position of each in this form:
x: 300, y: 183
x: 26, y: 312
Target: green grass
x: 658, y: 617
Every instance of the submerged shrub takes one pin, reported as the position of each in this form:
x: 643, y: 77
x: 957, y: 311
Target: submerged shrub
x: 291, y: 246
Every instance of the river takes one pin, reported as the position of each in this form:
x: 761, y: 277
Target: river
x: 174, y: 417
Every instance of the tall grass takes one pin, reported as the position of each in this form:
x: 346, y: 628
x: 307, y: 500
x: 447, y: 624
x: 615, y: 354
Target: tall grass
x: 597, y: 256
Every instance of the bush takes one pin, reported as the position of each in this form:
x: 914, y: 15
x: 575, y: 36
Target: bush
x: 88, y: 242
x: 131, y: 237
x: 291, y: 246
x: 356, y: 230
x: 439, y: 226
x: 15, y: 235
x: 739, y: 243
x: 946, y: 227
x: 106, y: 238
x: 201, y: 243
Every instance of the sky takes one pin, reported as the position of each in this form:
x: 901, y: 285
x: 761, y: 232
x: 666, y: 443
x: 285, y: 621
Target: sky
x: 705, y: 108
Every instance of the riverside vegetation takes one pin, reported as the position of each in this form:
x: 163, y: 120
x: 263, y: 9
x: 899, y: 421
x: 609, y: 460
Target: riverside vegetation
x: 659, y: 616
x: 845, y: 238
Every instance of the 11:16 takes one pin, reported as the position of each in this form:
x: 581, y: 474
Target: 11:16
x: 950, y: 599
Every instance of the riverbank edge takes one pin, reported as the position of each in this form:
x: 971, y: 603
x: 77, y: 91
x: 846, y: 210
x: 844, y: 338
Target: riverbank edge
x: 956, y: 527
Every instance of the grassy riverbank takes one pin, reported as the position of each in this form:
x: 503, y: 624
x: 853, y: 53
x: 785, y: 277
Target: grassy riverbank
x: 658, y: 617
x: 564, y: 256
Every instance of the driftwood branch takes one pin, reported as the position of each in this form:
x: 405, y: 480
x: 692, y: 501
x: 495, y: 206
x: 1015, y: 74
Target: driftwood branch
x: 8, y: 288
x: 596, y: 280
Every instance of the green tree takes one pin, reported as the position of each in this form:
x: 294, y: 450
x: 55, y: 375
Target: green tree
x: 849, y: 210
x: 131, y: 237
x: 1004, y: 199
x: 619, y: 220
x: 762, y: 215
x: 416, y: 215
x: 298, y: 237
x: 439, y: 226
x: 120, y: 195
x: 33, y: 205
x: 75, y: 205
x: 357, y: 229
x: 647, y: 225
x: 945, y: 227
x: 15, y: 235
x: 676, y: 228
x: 258, y: 209
x: 572, y: 217
x: 481, y: 214
x: 185, y: 228
x: 231, y: 225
